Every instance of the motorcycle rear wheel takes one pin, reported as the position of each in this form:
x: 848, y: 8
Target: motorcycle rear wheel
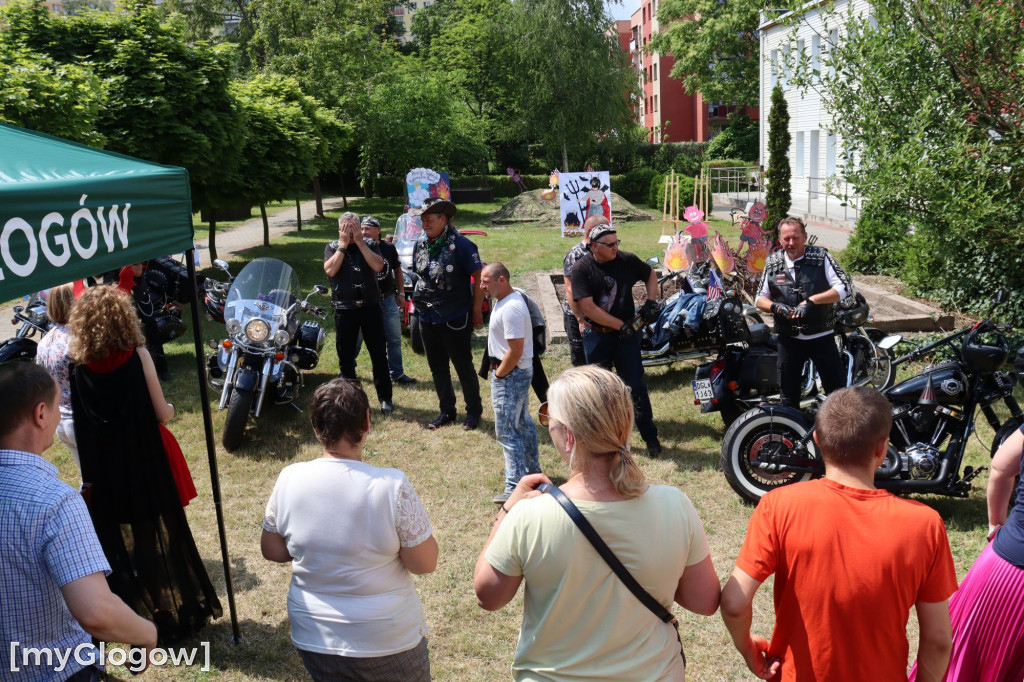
x: 762, y: 431
x: 238, y: 414
x: 875, y: 367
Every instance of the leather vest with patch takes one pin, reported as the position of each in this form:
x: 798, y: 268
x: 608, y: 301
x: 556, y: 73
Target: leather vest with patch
x: 443, y: 288
x: 355, y: 284
x: 810, y: 279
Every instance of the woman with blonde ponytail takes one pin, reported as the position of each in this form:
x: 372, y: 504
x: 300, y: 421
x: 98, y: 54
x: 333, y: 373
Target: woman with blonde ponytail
x: 579, y: 619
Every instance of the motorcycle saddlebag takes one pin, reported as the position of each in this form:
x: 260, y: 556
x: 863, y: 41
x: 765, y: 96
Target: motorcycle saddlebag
x: 732, y: 323
x: 311, y: 335
x: 177, y: 278
x: 759, y: 371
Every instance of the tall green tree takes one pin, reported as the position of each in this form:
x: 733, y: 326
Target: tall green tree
x: 41, y: 94
x: 928, y: 99
x: 574, y: 81
x: 779, y: 176
x: 411, y: 120
x: 715, y: 45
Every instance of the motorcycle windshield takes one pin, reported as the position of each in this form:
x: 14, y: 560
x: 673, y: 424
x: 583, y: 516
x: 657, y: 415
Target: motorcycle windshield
x: 259, y: 299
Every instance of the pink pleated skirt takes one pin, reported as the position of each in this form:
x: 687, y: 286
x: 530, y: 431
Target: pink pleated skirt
x: 988, y: 623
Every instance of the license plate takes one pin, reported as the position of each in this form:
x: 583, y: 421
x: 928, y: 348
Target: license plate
x: 702, y: 390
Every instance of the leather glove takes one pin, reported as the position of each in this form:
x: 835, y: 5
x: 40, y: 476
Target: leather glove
x: 781, y: 309
x: 802, y: 309
x: 626, y: 330
x: 649, y: 311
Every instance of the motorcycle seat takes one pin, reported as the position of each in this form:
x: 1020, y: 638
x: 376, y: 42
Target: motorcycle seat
x: 760, y: 335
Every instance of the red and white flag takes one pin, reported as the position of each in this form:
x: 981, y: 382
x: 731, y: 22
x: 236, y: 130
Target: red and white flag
x: 714, y: 285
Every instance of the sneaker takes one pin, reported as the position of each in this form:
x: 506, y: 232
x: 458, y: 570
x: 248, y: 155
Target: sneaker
x: 387, y: 408
x: 472, y: 421
x: 404, y: 379
x: 502, y: 498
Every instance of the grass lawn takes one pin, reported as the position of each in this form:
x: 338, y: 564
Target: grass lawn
x: 455, y: 473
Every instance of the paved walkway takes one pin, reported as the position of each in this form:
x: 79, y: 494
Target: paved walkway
x: 229, y: 242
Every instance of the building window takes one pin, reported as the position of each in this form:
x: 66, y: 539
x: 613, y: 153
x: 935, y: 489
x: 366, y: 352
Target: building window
x: 798, y: 154
x: 816, y: 57
x: 655, y: 102
x: 830, y: 154
x: 655, y: 68
x: 773, y: 65
x: 833, y: 43
x: 412, y: 5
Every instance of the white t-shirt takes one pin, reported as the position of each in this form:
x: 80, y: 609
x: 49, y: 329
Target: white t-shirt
x: 343, y: 522
x: 510, y: 319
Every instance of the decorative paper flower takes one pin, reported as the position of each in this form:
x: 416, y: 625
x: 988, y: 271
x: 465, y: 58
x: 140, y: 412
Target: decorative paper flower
x: 675, y: 254
x: 692, y: 214
x: 723, y: 254
x: 757, y: 254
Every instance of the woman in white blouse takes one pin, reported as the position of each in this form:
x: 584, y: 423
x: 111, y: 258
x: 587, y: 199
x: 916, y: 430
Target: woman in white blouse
x: 354, y: 533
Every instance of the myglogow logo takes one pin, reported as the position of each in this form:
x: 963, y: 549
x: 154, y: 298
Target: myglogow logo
x: 57, y: 237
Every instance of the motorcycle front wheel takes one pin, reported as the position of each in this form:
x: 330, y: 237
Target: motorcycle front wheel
x: 872, y: 367
x: 238, y: 414
x: 757, y: 435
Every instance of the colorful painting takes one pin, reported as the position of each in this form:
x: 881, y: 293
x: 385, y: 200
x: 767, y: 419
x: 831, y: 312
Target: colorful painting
x: 583, y: 195
x: 424, y: 183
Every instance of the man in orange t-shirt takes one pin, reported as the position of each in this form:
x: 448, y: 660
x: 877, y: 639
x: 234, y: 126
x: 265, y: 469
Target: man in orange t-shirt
x: 849, y: 562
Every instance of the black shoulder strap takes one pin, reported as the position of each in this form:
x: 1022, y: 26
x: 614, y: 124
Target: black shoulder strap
x: 588, y: 531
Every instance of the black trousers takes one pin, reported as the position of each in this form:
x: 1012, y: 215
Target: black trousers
x: 452, y: 342
x: 792, y: 355
x: 347, y: 325
x: 572, y: 332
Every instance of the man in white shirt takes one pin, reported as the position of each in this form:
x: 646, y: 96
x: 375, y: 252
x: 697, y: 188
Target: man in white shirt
x: 799, y: 287
x: 510, y: 346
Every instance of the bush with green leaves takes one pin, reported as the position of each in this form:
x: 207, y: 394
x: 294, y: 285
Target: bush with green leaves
x: 635, y: 185
x: 656, y: 194
x: 739, y: 140
x: 665, y: 156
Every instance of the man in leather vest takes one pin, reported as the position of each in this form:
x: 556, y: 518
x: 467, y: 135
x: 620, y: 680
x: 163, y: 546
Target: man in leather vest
x: 449, y: 307
x: 352, y: 264
x: 800, y: 286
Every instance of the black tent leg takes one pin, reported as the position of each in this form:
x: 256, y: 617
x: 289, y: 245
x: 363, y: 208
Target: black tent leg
x: 211, y: 449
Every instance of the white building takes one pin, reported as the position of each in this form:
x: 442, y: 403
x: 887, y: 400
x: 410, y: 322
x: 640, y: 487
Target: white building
x: 815, y: 153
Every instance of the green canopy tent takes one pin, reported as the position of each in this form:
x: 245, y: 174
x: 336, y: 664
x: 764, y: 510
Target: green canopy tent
x: 68, y: 211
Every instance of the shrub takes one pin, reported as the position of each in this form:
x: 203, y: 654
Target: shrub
x: 635, y: 186
x: 739, y: 140
x: 778, y: 193
x: 877, y: 246
x: 663, y: 157
x: 656, y: 193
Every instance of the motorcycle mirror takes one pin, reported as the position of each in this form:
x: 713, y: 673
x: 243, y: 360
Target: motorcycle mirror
x: 653, y: 261
x: 320, y: 289
x: 1000, y: 296
x: 221, y: 264
x: 889, y: 341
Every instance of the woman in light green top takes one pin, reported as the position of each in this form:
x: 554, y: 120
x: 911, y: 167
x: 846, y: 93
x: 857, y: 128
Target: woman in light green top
x: 579, y: 620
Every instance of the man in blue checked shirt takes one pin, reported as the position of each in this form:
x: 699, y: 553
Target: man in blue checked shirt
x: 53, y: 584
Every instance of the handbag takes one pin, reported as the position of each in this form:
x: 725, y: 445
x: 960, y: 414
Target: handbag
x: 613, y: 561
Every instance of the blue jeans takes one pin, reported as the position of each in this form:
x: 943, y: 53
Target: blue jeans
x: 392, y: 334
x: 513, y: 425
x: 608, y: 351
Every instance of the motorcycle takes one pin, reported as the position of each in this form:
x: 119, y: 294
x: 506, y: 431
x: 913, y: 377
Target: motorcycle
x: 34, y: 320
x: 266, y: 347
x: 713, y: 324
x: 216, y: 292
x: 742, y: 377
x: 933, y: 415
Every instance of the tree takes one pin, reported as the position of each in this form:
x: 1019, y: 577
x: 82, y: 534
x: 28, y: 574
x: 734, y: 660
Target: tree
x: 740, y: 140
x: 715, y: 45
x: 411, y: 120
x: 574, y: 81
x: 778, y: 196
x: 41, y: 94
x: 928, y: 99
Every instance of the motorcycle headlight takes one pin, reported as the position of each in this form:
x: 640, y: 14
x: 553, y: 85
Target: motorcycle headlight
x: 257, y: 330
x: 233, y: 326
x: 282, y: 337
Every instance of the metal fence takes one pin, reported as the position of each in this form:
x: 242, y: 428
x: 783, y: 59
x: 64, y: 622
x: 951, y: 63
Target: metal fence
x: 746, y: 181
x: 834, y: 193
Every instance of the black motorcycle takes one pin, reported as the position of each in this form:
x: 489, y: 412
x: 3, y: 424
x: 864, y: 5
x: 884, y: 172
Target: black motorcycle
x: 743, y: 376
x: 689, y: 325
x: 266, y: 347
x: 33, y: 320
x: 933, y: 415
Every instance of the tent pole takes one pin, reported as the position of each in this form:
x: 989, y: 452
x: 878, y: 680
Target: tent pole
x: 211, y: 450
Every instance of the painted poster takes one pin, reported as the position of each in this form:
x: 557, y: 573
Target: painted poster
x: 583, y: 195
x: 424, y: 183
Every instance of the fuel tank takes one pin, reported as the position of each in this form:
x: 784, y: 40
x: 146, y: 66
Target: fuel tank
x: 948, y: 382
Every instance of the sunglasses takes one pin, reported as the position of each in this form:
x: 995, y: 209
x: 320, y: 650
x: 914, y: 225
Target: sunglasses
x: 542, y: 415
x: 610, y: 244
